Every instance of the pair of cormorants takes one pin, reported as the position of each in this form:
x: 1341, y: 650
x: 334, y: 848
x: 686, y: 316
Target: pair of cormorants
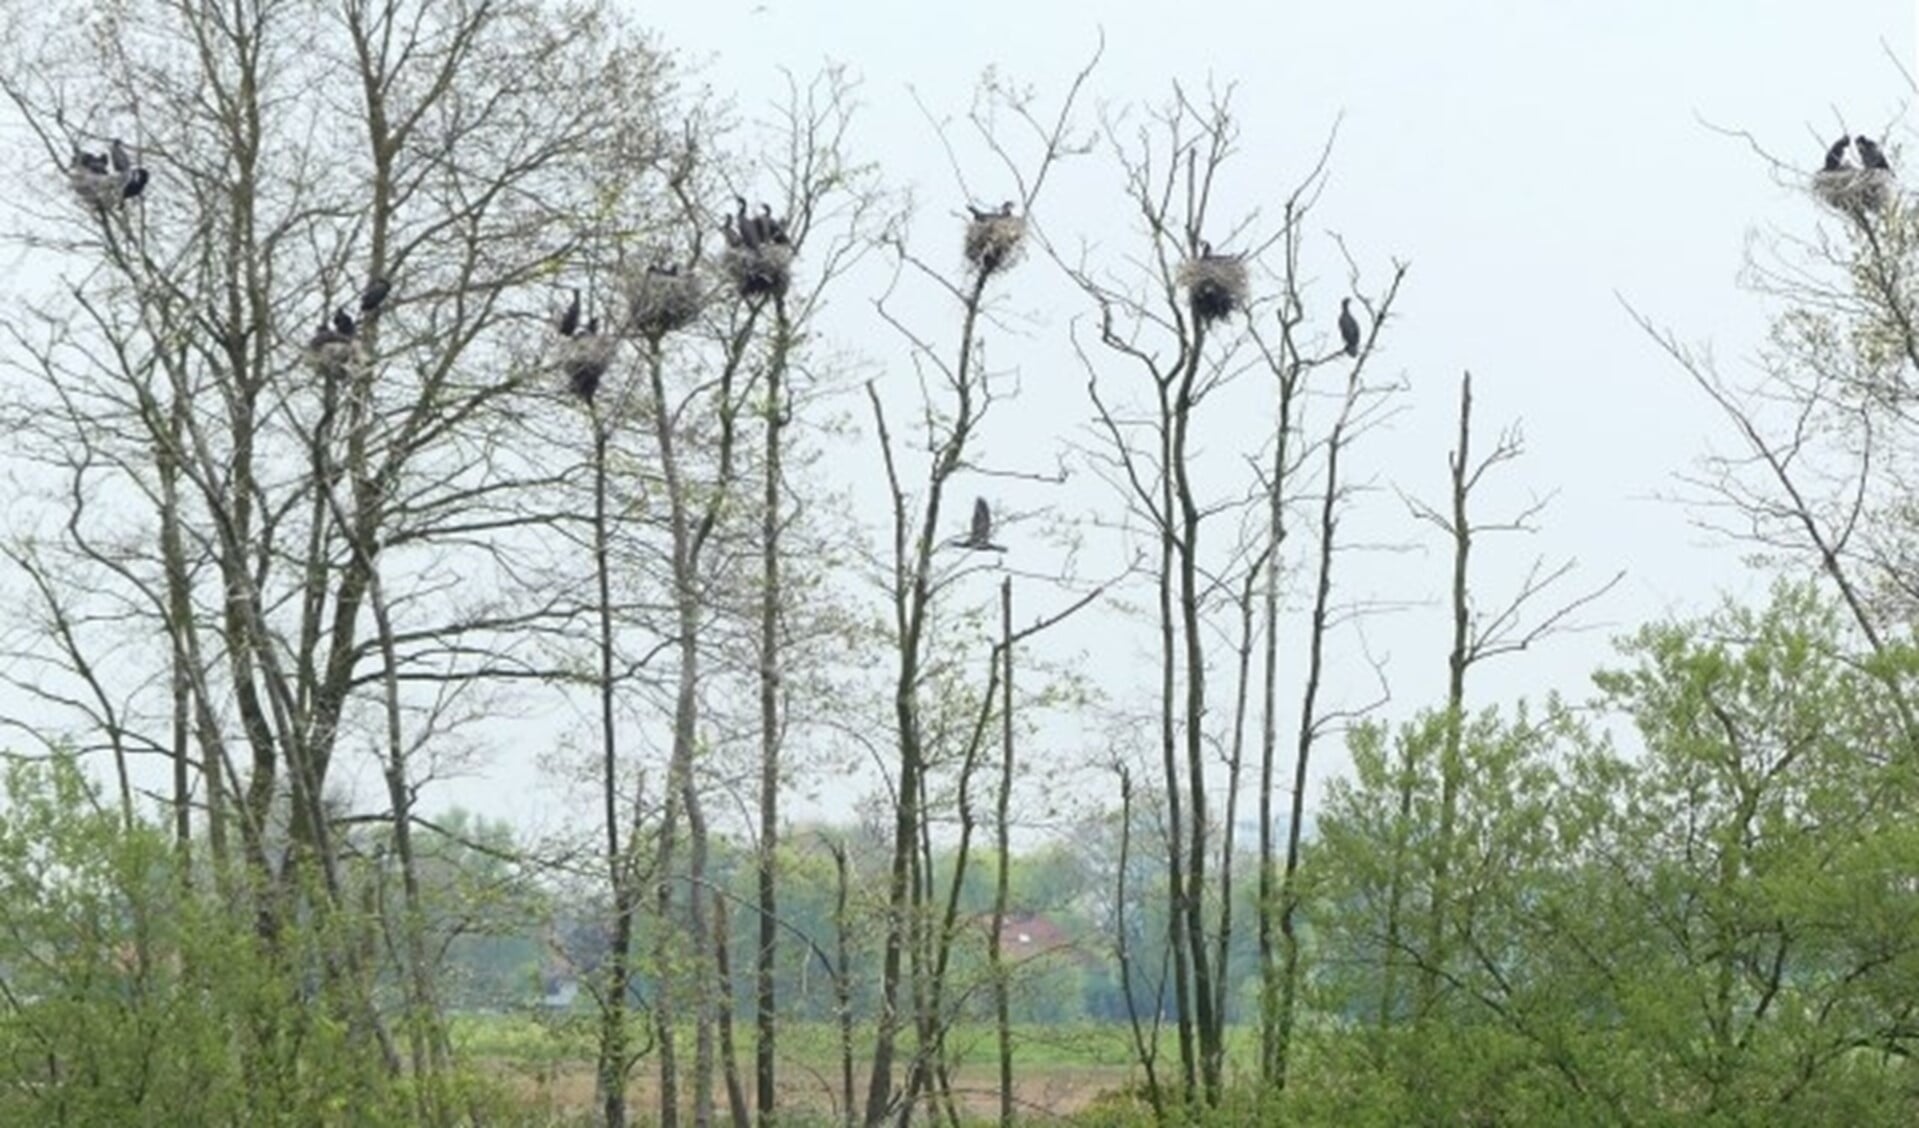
x: 1870, y: 155
x: 341, y: 328
x: 117, y: 164
x: 754, y: 232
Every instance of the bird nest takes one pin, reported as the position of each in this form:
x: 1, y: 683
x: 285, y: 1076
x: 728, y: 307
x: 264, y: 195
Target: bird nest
x: 657, y: 303
x: 1216, y: 284
x: 1854, y: 191
x: 994, y: 242
x: 584, y: 360
x: 330, y: 356
x: 101, y: 190
x: 759, y: 271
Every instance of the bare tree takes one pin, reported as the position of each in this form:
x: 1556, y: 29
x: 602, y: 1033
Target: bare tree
x: 958, y: 395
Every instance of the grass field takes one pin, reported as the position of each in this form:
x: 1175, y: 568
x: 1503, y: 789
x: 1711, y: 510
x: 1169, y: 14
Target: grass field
x: 1058, y: 1070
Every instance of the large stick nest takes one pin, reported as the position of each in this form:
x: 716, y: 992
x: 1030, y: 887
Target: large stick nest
x: 1216, y: 285
x: 995, y: 242
x: 1855, y: 191
x: 759, y: 271
x: 101, y: 190
x: 657, y: 303
x: 330, y: 355
x: 584, y: 359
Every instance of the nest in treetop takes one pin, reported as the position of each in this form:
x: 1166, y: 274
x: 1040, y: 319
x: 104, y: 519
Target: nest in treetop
x: 329, y: 354
x: 660, y: 300
x: 1855, y: 191
x: 994, y: 242
x: 757, y: 272
x: 101, y: 190
x: 1216, y: 285
x: 584, y: 359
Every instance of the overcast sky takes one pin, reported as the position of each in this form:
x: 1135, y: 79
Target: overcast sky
x: 1535, y: 162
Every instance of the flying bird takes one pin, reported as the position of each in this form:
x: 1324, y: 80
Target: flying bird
x: 375, y: 294
x: 1836, y: 156
x: 1348, y: 327
x: 1869, y: 154
x: 136, y: 184
x: 980, y: 536
x: 569, y: 322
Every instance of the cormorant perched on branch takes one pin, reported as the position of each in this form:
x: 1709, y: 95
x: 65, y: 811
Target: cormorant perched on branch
x: 1836, y: 156
x: 343, y: 322
x: 1869, y: 154
x: 136, y: 184
x: 1348, y: 327
x: 375, y: 293
x: 569, y: 322
x: 121, y: 161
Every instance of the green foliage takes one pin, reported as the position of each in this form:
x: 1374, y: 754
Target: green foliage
x: 1718, y: 927
x: 131, y: 997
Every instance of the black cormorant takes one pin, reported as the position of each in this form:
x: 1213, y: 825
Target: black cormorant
x: 328, y: 335
x: 569, y: 322
x: 136, y: 184
x: 374, y: 294
x: 121, y: 161
x: 1348, y: 327
x: 92, y: 162
x: 1836, y: 156
x: 772, y: 230
x: 1869, y: 154
x: 747, y: 228
x: 981, y: 534
x: 343, y: 322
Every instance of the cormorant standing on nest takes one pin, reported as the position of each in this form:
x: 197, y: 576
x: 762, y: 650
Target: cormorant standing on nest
x: 374, y: 294
x: 1836, y: 156
x: 746, y: 225
x: 1869, y: 154
x: 330, y: 333
x: 121, y: 161
x: 772, y: 230
x: 92, y: 162
x: 1005, y: 212
x: 342, y: 322
x: 136, y: 184
x: 1348, y: 327
x: 569, y: 322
